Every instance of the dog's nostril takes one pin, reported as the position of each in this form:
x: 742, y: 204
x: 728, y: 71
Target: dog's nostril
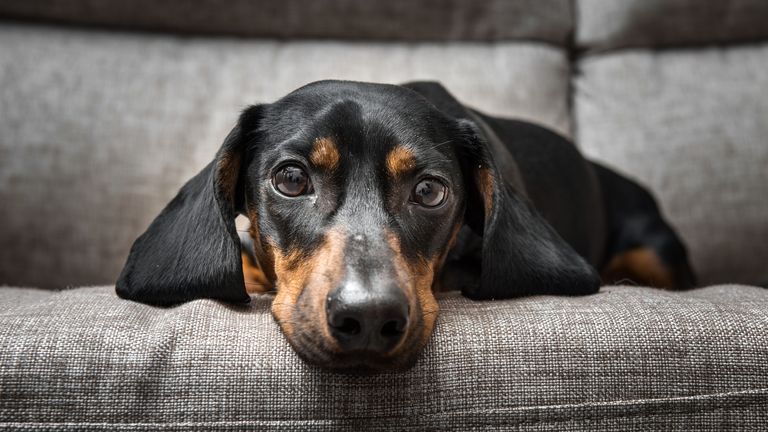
x: 392, y: 329
x: 349, y: 326
x: 367, y: 319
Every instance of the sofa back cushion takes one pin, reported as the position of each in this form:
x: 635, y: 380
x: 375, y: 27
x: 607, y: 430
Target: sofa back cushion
x: 606, y: 25
x: 691, y: 125
x: 99, y: 130
x: 489, y: 20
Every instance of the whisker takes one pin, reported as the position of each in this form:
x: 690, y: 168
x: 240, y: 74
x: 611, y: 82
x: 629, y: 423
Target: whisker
x: 438, y: 145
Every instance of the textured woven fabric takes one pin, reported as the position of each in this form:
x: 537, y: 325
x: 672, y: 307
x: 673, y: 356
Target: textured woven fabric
x: 654, y: 23
x: 691, y: 125
x: 624, y: 359
x: 543, y: 20
x: 99, y: 130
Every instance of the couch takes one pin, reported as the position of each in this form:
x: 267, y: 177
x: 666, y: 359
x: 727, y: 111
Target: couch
x: 107, y: 108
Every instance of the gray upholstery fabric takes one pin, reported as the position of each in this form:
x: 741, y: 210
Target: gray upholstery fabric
x: 691, y: 125
x: 643, y: 23
x: 99, y: 130
x: 541, y: 20
x: 624, y: 359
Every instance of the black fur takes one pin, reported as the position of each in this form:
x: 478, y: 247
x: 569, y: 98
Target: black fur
x: 192, y: 250
x: 521, y: 253
x: 634, y: 221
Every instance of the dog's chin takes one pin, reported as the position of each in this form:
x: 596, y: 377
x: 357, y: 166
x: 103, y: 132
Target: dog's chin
x: 355, y: 362
x: 361, y: 363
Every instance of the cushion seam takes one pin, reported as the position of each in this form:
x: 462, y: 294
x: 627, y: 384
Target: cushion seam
x: 512, y: 410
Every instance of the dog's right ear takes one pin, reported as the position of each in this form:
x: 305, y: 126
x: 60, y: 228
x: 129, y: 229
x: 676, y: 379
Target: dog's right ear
x: 192, y: 250
x: 522, y: 254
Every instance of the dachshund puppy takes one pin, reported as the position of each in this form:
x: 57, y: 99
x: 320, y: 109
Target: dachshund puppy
x: 364, y: 199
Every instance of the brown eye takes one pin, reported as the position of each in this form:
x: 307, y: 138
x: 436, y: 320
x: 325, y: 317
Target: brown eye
x: 292, y: 181
x: 429, y: 192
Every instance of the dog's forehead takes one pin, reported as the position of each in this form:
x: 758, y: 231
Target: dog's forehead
x: 361, y: 119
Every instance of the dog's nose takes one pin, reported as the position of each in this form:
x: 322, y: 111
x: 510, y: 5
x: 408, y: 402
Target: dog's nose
x: 367, y: 319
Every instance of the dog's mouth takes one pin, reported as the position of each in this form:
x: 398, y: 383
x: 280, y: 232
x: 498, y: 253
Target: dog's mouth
x: 356, y: 362
x: 314, y: 344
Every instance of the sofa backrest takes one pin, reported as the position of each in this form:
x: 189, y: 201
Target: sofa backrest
x: 99, y: 129
x: 549, y: 21
x: 675, y: 94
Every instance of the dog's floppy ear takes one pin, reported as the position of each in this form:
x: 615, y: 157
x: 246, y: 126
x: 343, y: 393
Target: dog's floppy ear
x: 521, y: 254
x: 192, y: 250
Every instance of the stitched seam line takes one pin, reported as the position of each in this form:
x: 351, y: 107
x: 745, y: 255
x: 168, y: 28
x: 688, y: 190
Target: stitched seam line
x: 648, y: 412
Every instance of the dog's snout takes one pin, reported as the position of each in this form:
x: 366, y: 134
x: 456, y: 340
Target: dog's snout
x: 372, y: 319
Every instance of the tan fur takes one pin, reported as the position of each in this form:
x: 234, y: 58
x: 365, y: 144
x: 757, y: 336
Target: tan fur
x: 417, y: 278
x: 255, y: 279
x: 310, y: 278
x: 228, y: 168
x: 325, y: 154
x: 400, y: 160
x: 291, y: 274
x: 641, y: 266
x: 484, y: 181
x: 264, y: 257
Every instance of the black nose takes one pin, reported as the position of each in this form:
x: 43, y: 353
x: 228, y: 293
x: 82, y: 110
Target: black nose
x: 367, y: 318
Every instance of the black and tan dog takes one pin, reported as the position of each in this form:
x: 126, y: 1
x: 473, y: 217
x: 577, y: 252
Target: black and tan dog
x: 364, y: 199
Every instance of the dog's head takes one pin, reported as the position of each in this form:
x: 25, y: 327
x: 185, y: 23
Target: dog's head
x: 355, y: 193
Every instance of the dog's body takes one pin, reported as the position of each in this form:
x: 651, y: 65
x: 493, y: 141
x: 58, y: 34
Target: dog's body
x: 380, y: 195
x: 606, y: 218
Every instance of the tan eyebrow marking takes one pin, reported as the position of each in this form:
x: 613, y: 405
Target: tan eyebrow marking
x: 325, y: 154
x: 399, y: 161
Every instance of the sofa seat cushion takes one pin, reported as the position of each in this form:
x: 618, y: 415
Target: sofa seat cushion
x: 626, y: 358
x: 99, y: 130
x: 691, y: 125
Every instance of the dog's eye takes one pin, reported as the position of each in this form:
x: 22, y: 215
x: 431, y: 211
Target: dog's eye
x: 429, y: 192
x: 292, y: 181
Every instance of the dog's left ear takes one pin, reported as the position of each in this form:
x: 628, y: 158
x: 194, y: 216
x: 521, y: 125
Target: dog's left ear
x: 521, y: 253
x: 192, y: 250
